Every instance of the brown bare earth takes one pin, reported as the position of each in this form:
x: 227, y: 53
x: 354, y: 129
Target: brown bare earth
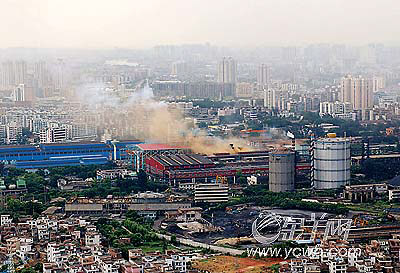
x: 229, y: 264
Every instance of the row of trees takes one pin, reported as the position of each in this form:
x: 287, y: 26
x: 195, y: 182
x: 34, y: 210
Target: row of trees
x: 121, y: 187
x: 260, y: 196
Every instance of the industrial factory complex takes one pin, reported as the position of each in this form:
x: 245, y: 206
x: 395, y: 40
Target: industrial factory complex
x: 191, y: 167
x: 326, y: 160
x: 328, y: 163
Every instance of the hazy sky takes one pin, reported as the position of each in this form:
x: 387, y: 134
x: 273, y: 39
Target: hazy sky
x: 142, y: 23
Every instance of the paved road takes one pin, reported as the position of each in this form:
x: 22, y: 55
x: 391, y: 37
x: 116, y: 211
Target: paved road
x: 225, y: 250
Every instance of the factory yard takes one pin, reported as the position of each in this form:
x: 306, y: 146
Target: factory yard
x: 236, y: 223
x: 228, y: 264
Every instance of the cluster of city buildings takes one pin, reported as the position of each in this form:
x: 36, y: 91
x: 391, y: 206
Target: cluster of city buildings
x: 25, y: 82
x: 352, y: 98
x: 45, y: 124
x: 75, y: 245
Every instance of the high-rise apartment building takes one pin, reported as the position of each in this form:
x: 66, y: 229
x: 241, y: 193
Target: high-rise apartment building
x: 53, y: 135
x: 10, y: 134
x: 262, y: 76
x: 179, y: 68
x: 37, y: 124
x: 3, y: 134
x: 7, y: 75
x: 41, y: 74
x: 20, y: 72
x: 334, y: 108
x: 19, y: 93
x: 59, y: 77
x: 30, y: 88
x: 244, y: 90
x: 12, y: 74
x: 227, y: 69
x: 275, y: 99
x: 379, y: 83
x: 13, y: 133
x: 358, y: 91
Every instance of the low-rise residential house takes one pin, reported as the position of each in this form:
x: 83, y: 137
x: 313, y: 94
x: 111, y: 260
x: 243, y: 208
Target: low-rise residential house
x: 178, y: 263
x: 74, y: 184
x: 92, y: 239
x: 134, y: 254
x: 114, y: 174
x: 337, y: 266
x: 56, y: 253
x: 52, y: 268
x: 5, y: 219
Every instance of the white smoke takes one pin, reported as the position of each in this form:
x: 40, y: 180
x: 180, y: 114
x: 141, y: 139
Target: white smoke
x: 139, y: 115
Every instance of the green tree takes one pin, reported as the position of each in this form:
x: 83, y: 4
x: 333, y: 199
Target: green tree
x: 242, y: 180
x: 142, y: 176
x: 28, y: 270
x: 35, y: 183
x: 174, y: 240
x: 164, y: 245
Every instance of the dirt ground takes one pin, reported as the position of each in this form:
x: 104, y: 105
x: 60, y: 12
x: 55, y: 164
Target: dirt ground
x: 229, y: 264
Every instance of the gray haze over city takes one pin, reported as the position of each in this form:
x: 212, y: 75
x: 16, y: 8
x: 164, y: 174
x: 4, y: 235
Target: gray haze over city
x: 139, y: 24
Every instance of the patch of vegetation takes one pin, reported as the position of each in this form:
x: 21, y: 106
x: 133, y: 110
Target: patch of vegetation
x: 135, y: 229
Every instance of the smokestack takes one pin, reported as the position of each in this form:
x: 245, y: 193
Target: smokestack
x: 114, y: 143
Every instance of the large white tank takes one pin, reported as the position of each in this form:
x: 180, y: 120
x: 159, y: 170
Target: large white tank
x: 331, y: 163
x: 281, y: 171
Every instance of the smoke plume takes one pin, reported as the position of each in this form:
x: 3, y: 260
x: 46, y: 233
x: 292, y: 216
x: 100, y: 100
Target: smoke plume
x: 139, y: 116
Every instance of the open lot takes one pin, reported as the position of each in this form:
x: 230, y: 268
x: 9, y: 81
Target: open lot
x: 229, y: 264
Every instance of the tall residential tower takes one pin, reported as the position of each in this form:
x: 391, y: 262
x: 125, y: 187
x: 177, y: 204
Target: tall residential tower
x: 227, y: 70
x: 262, y: 77
x: 358, y: 91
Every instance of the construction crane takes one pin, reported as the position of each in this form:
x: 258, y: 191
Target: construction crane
x: 359, y: 221
x: 221, y: 179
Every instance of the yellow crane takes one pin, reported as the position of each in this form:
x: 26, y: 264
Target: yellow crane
x: 221, y: 179
x: 235, y: 149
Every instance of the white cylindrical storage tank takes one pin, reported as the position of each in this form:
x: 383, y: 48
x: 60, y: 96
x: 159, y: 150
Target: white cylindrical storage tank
x: 331, y: 163
x: 281, y: 171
